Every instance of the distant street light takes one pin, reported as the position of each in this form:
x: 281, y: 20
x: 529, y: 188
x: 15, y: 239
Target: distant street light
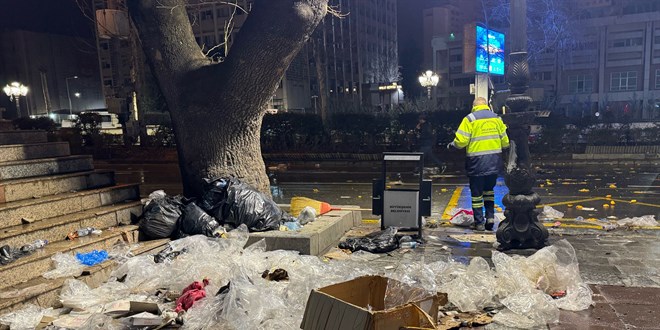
x: 14, y: 90
x: 68, y: 93
x: 76, y: 94
x: 429, y: 80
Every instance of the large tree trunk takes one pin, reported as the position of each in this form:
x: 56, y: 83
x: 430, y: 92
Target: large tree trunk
x: 217, y: 108
x: 318, y: 50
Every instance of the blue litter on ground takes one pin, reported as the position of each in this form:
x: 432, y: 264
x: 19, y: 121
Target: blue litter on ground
x: 92, y: 258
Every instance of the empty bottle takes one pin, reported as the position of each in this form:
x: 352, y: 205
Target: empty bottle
x: 408, y: 245
x: 85, y: 231
x: 38, y: 244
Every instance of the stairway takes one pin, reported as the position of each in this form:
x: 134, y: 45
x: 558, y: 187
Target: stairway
x: 46, y: 193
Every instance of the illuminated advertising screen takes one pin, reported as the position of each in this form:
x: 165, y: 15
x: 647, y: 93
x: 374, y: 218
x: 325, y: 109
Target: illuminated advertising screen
x: 490, y: 51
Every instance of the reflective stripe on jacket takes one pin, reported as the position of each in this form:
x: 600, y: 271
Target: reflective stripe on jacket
x: 483, y: 133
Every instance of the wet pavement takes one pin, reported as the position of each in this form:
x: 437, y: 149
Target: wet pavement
x: 623, y: 265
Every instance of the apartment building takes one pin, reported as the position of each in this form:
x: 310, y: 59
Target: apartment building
x: 611, y: 67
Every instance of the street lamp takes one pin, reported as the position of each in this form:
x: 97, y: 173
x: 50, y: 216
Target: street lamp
x: 521, y: 228
x: 68, y: 93
x: 429, y: 80
x: 14, y: 90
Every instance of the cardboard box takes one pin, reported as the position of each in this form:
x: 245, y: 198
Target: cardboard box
x: 360, y: 304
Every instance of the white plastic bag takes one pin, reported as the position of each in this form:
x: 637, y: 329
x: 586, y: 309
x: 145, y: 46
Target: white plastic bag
x: 643, y: 221
x: 475, y: 289
x: 25, y: 319
x: 307, y: 215
x: 77, y: 295
x: 462, y: 218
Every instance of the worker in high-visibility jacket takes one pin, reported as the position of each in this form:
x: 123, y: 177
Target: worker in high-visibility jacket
x: 483, y: 133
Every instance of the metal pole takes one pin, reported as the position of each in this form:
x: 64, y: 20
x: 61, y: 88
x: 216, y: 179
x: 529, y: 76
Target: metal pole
x: 68, y: 94
x: 18, y: 106
x: 428, y: 90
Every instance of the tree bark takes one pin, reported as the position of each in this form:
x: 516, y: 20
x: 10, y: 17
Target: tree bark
x: 217, y: 108
x: 320, y: 65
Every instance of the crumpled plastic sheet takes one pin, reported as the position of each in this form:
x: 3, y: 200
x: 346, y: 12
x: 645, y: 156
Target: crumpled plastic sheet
x: 65, y: 265
x: 251, y: 302
x: 473, y: 291
x: 550, y: 213
x: 643, y: 221
x: 25, y: 319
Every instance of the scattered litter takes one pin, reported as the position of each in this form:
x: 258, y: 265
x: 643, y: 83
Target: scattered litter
x: 65, y: 265
x: 632, y: 201
x: 92, y: 258
x: 276, y: 275
x: 557, y: 224
x: 475, y: 238
x: 307, y: 215
x: 462, y: 217
x: 345, y: 197
x: 608, y: 196
x: 612, y: 202
x: 192, y: 293
x: 590, y: 209
x: 609, y: 227
x: 612, y: 186
x: 377, y: 242
x: 26, y: 318
x: 606, y: 206
x: 338, y: 254
x: 82, y: 232
x: 584, y: 190
x: 26, y: 221
x: 290, y: 226
x: 160, y: 215
x: 643, y: 221
x: 550, y: 213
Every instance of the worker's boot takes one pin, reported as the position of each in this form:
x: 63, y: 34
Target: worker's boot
x: 479, y: 222
x: 489, y: 205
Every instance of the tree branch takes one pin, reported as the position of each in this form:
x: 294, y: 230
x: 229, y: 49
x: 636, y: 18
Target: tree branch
x: 166, y: 36
x: 267, y: 43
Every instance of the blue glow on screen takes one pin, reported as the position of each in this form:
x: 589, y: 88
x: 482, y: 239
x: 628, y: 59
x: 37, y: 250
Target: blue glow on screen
x: 490, y: 51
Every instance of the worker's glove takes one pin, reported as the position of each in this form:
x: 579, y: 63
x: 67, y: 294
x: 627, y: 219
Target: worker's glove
x: 450, y: 145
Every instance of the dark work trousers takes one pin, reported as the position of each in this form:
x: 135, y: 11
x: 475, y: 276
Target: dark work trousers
x: 483, y: 194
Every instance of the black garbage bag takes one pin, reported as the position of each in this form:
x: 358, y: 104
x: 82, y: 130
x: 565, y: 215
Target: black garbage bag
x: 378, y: 242
x: 234, y: 202
x: 194, y: 221
x: 160, y: 216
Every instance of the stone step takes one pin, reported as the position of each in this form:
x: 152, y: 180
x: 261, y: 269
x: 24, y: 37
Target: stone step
x: 14, y: 152
x: 45, y: 166
x: 23, y: 137
x: 56, y: 229
x: 45, y: 293
x: 315, y: 238
x: 34, y: 265
x: 12, y: 213
x: 20, y: 189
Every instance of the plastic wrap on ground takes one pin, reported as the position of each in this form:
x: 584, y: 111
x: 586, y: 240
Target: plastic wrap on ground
x: 550, y: 213
x: 308, y: 214
x: 101, y: 322
x: 25, y: 319
x: 474, y: 290
x: 77, y: 295
x: 527, y: 310
x: 643, y: 221
x: 64, y: 265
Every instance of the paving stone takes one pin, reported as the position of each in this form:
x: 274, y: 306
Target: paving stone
x: 638, y: 316
x: 33, y: 151
x: 627, y: 295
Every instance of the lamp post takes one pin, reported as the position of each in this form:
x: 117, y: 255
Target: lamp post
x: 68, y: 93
x: 429, y: 79
x: 14, y: 91
x: 521, y: 228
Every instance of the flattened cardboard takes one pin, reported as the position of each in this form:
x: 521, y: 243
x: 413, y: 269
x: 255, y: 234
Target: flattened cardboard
x: 359, y: 304
x: 125, y: 308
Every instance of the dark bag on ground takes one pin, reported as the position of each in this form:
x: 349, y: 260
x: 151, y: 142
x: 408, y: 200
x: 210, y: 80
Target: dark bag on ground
x: 160, y: 216
x: 195, y: 221
x: 234, y: 202
x: 378, y: 242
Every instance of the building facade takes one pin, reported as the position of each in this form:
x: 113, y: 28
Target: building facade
x: 611, y: 67
x: 359, y: 57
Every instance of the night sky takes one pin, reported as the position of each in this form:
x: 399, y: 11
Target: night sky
x: 52, y: 16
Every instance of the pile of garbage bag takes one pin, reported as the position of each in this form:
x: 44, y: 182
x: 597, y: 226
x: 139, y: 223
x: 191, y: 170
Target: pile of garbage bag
x: 226, y: 202
x: 226, y: 285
